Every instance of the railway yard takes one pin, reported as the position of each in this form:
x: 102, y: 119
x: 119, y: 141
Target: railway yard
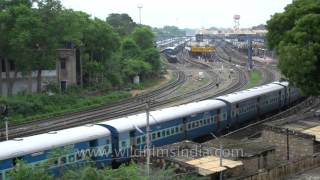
x: 192, y: 80
x: 182, y: 89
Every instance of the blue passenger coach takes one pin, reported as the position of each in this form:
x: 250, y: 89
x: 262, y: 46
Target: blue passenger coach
x: 75, y: 144
x: 115, y: 141
x: 167, y: 125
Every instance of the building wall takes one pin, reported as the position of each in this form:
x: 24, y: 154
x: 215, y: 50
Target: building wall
x: 68, y: 74
x: 22, y: 82
x: 300, y: 145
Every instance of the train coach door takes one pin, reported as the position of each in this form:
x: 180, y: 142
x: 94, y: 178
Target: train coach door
x: 258, y: 107
x: 279, y: 101
x: 217, y: 119
x: 133, y: 142
x: 184, y: 127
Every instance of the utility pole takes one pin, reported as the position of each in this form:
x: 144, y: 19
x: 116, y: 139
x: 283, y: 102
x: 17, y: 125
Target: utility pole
x: 140, y: 7
x: 220, y: 154
x: 288, y: 150
x: 148, y: 137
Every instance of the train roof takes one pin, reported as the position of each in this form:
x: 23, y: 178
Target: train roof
x: 283, y: 83
x: 163, y: 115
x: 33, y: 144
x: 250, y: 93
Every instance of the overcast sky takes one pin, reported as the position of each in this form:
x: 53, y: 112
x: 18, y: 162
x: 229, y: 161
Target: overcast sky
x: 185, y: 13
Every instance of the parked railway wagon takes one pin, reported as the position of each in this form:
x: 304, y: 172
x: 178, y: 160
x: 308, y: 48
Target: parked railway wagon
x: 112, y: 142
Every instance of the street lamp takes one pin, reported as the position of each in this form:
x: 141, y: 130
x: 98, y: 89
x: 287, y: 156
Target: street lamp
x: 140, y: 6
x: 220, y: 155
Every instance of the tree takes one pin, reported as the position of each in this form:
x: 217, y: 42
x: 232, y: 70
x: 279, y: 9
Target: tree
x: 295, y: 36
x: 134, y: 67
x: 152, y: 56
x: 130, y: 49
x: 48, y: 38
x: 122, y: 23
x: 24, y: 171
x: 143, y: 37
x: 20, y: 24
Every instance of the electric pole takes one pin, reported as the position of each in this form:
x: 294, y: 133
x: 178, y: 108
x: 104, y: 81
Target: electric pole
x: 220, y: 154
x: 140, y: 7
x: 148, y: 137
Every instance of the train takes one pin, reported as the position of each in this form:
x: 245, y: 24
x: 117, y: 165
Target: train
x: 112, y: 142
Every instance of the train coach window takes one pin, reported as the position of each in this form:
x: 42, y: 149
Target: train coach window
x: 153, y: 136
x: 107, y: 141
x: 168, y: 132
x: 189, y: 126
x: 143, y: 139
x: 63, y: 160
x: 123, y: 144
x: 163, y: 133
x: 201, y: 122
x: 197, y: 124
x: 71, y: 158
x: 138, y: 140
x: 158, y: 135
x: 79, y: 156
x: 172, y: 130
x: 177, y: 129
x: 106, y: 149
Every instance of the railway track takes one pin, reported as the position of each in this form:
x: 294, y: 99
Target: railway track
x: 267, y: 72
x: 121, y: 108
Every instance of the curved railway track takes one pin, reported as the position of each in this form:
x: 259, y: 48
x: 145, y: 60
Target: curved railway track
x: 267, y: 72
x: 123, y: 108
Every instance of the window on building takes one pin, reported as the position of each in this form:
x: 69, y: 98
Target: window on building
x: 138, y: 140
x: 143, y: 139
x: 62, y: 63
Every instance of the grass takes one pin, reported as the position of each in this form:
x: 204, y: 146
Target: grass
x: 193, y: 85
x: 254, y: 77
x: 26, y: 108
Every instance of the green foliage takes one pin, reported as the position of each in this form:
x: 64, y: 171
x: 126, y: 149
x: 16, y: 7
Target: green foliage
x: 112, y: 51
x: 143, y: 38
x: 130, y: 49
x: 133, y: 67
x: 168, y: 32
x: 295, y: 35
x: 122, y: 23
x: 42, y: 105
x: 152, y: 56
x: 23, y: 171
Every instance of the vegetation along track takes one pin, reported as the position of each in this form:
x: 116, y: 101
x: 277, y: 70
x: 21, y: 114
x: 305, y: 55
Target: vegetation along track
x: 122, y: 108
